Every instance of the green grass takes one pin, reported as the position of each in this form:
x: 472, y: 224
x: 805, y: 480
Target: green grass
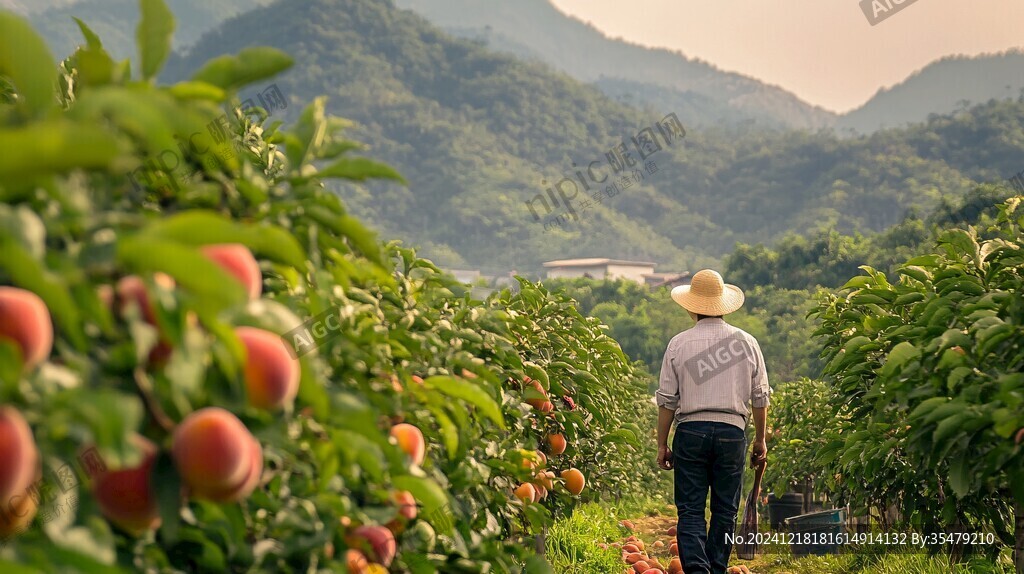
x: 572, y: 549
x: 572, y: 542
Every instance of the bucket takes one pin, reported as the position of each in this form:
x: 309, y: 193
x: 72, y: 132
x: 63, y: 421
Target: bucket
x: 825, y: 530
x: 781, y: 508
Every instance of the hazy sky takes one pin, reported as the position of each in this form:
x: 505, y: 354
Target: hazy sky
x: 825, y: 51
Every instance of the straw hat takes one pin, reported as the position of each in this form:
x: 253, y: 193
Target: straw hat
x: 708, y: 295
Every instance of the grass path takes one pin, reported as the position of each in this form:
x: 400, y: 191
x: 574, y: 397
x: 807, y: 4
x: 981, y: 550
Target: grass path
x: 573, y: 547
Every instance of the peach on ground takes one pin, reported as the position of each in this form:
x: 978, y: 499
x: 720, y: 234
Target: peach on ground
x: 237, y: 260
x: 271, y: 374
x: 25, y: 321
x: 215, y: 455
x: 126, y: 496
x: 410, y: 439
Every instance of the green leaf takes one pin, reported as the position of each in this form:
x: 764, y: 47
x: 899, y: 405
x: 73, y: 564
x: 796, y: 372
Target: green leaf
x: 25, y: 59
x: 197, y: 91
x: 899, y: 356
x: 168, y: 495
x: 28, y: 273
x: 54, y: 146
x: 469, y: 392
x: 250, y: 65
x: 360, y: 169
x: 206, y: 227
x: 91, y: 39
x: 538, y: 565
x: 214, y: 288
x: 156, y: 27
x: 959, y: 476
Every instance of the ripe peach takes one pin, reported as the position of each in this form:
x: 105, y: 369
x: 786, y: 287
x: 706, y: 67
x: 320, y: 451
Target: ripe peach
x: 557, y: 443
x: 546, y: 407
x: 356, y: 562
x: 271, y: 374
x: 526, y: 492
x: 640, y: 566
x: 379, y: 540
x: 675, y: 566
x: 417, y: 379
x: 653, y: 570
x: 406, y: 504
x: 18, y: 453
x: 545, y: 479
x: 628, y: 525
x: 25, y: 321
x: 237, y: 260
x: 410, y: 440
x: 671, y: 531
x: 632, y: 557
x: 574, y: 480
x: 17, y: 513
x: 1020, y: 436
x: 537, y: 402
x: 216, y: 456
x: 126, y: 496
x: 630, y: 548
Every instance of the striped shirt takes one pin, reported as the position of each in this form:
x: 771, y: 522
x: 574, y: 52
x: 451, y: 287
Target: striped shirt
x: 711, y: 372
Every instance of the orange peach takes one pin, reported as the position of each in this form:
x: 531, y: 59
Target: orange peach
x: 356, y: 562
x: 25, y: 321
x: 410, y: 440
x: 237, y: 260
x: 126, y: 496
x: 574, y: 480
x: 16, y: 514
x: 271, y: 374
x: 216, y: 456
x: 526, y: 492
x: 557, y: 443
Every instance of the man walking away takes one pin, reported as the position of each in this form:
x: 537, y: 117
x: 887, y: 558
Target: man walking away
x: 708, y: 376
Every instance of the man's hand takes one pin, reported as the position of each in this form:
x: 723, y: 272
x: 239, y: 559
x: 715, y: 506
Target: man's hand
x: 758, y: 453
x: 664, y: 458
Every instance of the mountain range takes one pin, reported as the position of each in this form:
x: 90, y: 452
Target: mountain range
x: 488, y: 139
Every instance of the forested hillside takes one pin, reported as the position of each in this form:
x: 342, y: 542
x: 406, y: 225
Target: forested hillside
x: 940, y: 88
x: 478, y: 134
x: 114, y: 21
x: 537, y: 29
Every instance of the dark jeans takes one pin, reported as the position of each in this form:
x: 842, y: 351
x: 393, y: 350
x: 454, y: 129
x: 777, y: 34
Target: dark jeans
x: 707, y: 455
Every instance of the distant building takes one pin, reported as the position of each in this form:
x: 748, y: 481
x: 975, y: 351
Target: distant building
x: 670, y: 280
x: 598, y: 268
x: 465, y: 275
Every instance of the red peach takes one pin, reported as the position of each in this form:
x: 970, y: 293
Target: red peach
x: 126, y: 496
x: 25, y: 321
x: 406, y: 504
x: 216, y: 455
x: 18, y: 453
x: 356, y: 562
x: 237, y: 260
x: 380, y: 540
x: 271, y: 374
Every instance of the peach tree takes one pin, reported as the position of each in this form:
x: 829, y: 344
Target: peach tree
x: 930, y: 370
x: 209, y: 365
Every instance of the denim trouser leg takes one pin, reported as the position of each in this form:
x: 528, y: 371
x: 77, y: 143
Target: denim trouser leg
x: 707, y: 455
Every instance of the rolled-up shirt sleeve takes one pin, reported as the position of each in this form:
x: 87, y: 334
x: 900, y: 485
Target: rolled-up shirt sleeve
x: 668, y: 388
x: 759, y: 390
